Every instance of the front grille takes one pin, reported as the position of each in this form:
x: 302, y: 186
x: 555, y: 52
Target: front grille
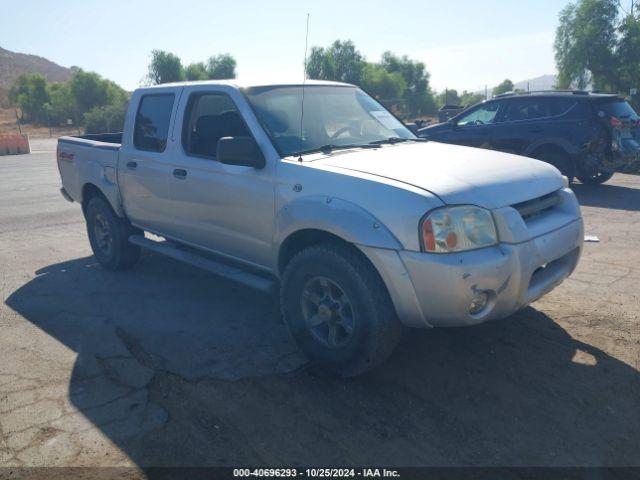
x: 537, y: 206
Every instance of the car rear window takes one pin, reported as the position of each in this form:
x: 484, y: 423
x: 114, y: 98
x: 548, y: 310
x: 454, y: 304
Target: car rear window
x: 525, y: 109
x: 619, y: 109
x: 152, y: 122
x: 560, y: 106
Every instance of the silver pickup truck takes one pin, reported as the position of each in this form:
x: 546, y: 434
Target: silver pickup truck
x: 320, y: 191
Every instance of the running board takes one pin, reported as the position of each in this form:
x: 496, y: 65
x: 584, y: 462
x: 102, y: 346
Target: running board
x: 218, y: 268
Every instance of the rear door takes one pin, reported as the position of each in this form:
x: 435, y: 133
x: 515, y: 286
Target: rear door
x: 523, y: 122
x: 144, y: 163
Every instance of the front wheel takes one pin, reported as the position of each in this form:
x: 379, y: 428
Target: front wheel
x: 338, y: 309
x: 561, y: 161
x: 594, y: 178
x: 109, y: 236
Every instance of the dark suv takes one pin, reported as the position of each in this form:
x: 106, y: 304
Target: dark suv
x: 585, y: 135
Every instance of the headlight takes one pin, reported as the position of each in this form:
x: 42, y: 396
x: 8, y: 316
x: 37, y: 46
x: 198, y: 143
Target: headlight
x: 455, y: 229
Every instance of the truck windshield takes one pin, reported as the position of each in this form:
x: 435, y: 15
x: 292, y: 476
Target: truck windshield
x: 334, y: 117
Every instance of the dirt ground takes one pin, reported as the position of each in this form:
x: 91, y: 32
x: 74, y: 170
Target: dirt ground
x: 168, y: 365
x: 8, y: 125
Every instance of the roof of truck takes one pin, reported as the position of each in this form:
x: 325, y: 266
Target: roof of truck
x: 241, y: 83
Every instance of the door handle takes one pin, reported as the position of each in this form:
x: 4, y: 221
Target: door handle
x: 132, y: 165
x: 180, y: 173
x: 536, y: 129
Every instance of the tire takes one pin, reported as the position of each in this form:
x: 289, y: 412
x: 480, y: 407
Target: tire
x: 562, y: 161
x: 330, y: 287
x: 595, y: 178
x: 109, y: 236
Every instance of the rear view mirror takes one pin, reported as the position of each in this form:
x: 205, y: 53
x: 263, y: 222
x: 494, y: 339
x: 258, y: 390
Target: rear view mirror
x: 243, y: 151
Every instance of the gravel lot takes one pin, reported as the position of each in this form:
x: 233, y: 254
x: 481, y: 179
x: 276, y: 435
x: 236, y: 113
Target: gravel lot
x: 167, y: 365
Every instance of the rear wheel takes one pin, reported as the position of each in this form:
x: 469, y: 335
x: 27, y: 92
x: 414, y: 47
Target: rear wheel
x: 109, y: 236
x: 594, y: 178
x: 562, y: 161
x: 338, y: 309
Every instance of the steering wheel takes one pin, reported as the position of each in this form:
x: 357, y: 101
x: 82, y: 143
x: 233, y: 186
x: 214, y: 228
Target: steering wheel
x: 342, y: 130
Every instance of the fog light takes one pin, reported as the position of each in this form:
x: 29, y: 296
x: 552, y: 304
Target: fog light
x: 478, y: 303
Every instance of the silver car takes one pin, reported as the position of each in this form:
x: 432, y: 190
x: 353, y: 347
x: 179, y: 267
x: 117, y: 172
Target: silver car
x: 321, y: 192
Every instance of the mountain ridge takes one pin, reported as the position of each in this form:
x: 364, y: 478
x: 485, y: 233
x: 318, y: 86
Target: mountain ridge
x: 14, y: 64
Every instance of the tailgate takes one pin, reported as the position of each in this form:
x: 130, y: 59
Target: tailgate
x: 82, y: 161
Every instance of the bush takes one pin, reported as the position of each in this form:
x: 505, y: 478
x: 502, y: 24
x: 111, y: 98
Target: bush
x: 109, y: 119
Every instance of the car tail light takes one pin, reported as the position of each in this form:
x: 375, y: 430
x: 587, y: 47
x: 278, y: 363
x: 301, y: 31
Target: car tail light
x: 615, y: 122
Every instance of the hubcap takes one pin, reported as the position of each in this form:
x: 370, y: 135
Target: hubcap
x: 102, y: 234
x: 327, y: 312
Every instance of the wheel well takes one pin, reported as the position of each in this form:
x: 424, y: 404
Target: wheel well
x: 88, y: 192
x: 298, y: 241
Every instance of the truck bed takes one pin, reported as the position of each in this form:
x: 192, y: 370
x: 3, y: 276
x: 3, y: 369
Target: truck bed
x: 89, y: 159
x: 97, y: 140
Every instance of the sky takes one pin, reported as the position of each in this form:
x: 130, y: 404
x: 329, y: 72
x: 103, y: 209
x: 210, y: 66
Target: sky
x: 465, y: 44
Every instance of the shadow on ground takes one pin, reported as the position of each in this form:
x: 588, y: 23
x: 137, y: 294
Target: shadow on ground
x: 608, y: 196
x: 178, y: 367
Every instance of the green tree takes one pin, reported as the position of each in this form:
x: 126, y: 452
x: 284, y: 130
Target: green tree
x: 196, y: 71
x: 628, y: 54
x: 504, y: 87
x: 30, y: 94
x: 53, y: 103
x: 62, y: 103
x: 165, y: 67
x: 385, y: 86
x: 220, y: 67
x: 90, y: 90
x: 585, y: 44
x: 469, y: 98
x: 448, y: 97
x: 418, y: 97
x: 340, y: 62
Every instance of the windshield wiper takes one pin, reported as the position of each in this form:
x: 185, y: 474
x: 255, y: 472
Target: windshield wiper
x: 328, y: 148
x: 392, y: 140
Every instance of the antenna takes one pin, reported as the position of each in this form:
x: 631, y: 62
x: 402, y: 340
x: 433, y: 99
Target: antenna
x: 304, y: 81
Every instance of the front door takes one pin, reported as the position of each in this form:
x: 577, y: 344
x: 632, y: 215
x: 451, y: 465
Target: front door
x: 228, y: 209
x: 475, y: 127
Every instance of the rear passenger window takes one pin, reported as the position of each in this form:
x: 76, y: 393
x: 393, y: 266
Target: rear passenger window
x: 152, y: 122
x: 525, y: 109
x: 209, y: 117
x: 560, y: 106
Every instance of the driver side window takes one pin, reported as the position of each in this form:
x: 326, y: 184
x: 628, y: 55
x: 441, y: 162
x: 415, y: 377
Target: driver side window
x: 210, y: 117
x: 483, y: 115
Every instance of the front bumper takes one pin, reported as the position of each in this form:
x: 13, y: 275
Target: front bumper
x: 436, y: 290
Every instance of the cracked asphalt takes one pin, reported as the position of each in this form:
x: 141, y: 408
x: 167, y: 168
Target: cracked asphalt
x: 166, y: 365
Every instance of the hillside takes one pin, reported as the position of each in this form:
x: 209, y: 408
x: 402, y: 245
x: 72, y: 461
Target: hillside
x: 13, y: 64
x: 545, y: 82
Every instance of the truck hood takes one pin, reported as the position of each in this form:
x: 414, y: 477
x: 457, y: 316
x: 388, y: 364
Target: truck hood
x: 458, y: 175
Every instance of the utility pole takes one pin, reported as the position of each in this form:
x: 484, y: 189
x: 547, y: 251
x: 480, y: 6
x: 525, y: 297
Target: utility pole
x: 18, y: 121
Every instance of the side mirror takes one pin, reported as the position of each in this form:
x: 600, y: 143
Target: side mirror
x: 243, y: 151
x: 412, y: 127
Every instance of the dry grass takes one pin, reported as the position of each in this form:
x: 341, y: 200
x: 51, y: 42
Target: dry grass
x: 8, y: 125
